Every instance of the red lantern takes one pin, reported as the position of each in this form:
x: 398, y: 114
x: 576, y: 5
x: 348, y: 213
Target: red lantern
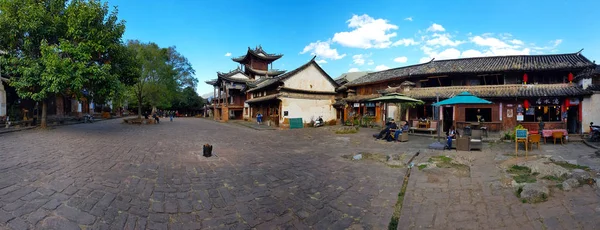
x: 570, y: 77
x: 526, y: 104
x: 525, y: 78
x: 567, y: 103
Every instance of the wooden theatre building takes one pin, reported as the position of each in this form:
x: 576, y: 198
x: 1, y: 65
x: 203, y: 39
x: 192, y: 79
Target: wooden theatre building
x: 523, y: 89
x: 306, y: 92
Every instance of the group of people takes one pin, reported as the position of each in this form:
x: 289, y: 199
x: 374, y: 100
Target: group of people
x: 161, y: 113
x: 386, y: 133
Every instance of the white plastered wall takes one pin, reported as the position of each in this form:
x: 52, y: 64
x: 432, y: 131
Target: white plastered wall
x: 308, y: 109
x: 311, y: 79
x: 590, y: 111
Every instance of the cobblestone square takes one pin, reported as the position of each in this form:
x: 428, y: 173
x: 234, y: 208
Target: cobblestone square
x: 108, y: 175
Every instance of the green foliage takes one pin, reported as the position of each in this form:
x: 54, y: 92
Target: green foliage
x: 516, y: 169
x: 522, y: 174
x: 570, y: 166
x: 555, y: 179
x: 166, y: 79
x: 421, y: 167
x: 62, y: 47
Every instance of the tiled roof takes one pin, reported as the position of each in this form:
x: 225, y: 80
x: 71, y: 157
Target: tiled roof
x: 265, y: 98
x: 270, y: 81
x: 480, y: 65
x: 496, y: 91
x: 227, y: 76
x: 594, y: 88
x: 211, y: 82
x: 350, y: 76
x: 359, y: 98
x: 258, y: 52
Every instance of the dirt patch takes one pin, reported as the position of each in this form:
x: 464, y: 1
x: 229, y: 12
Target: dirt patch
x: 391, y: 160
x: 449, y: 164
x: 570, y: 166
x: 522, y: 174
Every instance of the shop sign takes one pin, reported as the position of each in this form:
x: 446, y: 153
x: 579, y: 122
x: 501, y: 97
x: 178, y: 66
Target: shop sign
x: 370, y: 104
x: 547, y: 101
x: 356, y: 105
x: 574, y: 101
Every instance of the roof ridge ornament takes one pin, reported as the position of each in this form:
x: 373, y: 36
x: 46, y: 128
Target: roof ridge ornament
x: 579, y: 52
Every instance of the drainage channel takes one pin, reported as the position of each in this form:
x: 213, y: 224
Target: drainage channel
x: 393, y: 225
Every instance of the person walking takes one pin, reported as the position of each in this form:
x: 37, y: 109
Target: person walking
x: 259, y: 118
x: 171, y: 115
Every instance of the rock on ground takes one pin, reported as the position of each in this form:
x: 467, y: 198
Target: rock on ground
x: 535, y: 192
x: 597, y: 182
x: 570, y: 184
x: 545, y: 168
x: 580, y: 175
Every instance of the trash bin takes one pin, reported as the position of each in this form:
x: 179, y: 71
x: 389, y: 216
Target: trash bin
x: 467, y: 131
x: 207, y: 150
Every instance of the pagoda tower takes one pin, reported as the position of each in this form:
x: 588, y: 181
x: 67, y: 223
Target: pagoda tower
x: 256, y: 62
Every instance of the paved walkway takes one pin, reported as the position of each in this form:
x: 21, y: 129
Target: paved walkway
x: 109, y: 175
x: 438, y: 199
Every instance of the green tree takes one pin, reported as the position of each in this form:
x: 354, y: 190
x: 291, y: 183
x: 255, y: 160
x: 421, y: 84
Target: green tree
x: 165, y: 73
x: 61, y: 47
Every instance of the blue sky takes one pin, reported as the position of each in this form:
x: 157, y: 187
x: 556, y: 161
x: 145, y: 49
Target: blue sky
x: 360, y: 35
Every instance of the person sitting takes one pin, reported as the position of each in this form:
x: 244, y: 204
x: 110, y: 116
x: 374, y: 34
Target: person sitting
x: 400, y: 130
x: 451, y: 134
x: 385, y: 133
x: 405, y: 127
x: 156, y: 119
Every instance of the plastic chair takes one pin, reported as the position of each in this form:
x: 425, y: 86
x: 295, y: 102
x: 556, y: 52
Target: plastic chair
x: 557, y: 135
x: 535, y: 139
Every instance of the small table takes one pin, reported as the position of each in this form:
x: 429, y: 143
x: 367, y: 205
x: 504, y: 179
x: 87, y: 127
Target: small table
x: 548, y: 133
x: 424, y: 125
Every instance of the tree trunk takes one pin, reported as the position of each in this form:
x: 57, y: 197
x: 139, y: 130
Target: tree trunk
x: 43, y: 123
x: 139, y: 108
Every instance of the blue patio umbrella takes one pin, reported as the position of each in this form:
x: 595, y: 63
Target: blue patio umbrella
x: 463, y: 98
x: 460, y: 99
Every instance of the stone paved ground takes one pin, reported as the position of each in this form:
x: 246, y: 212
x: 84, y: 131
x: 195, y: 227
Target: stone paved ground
x: 108, y: 175
x: 439, y: 200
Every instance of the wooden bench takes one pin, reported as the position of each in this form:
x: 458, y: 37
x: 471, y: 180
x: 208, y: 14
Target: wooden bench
x: 432, y: 128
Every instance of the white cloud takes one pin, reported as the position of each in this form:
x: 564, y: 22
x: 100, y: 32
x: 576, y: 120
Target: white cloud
x: 353, y: 69
x: 367, y: 33
x: 497, y: 47
x: 371, y: 62
x: 358, y: 59
x: 471, y: 53
x: 405, y: 42
x: 227, y: 54
x: 425, y: 59
x: 443, y: 40
x: 436, y: 27
x: 322, y: 61
x: 409, y: 19
x: 451, y: 53
x: 381, y: 67
x: 401, y: 59
x: 557, y: 42
x: 322, y: 50
x: 516, y: 42
x: 489, y: 41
